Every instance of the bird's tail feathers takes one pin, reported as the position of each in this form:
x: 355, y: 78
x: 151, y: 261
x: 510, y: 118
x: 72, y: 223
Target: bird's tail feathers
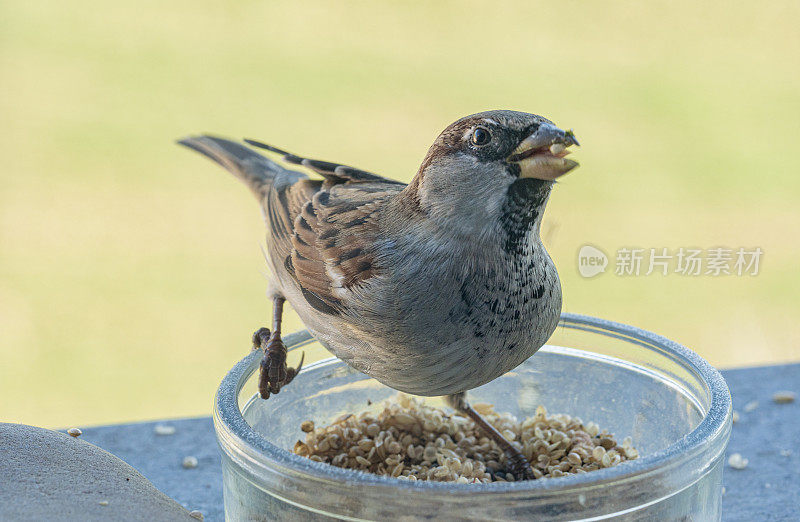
x: 256, y: 171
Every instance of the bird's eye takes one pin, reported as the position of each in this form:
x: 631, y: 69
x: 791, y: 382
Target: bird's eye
x: 481, y: 136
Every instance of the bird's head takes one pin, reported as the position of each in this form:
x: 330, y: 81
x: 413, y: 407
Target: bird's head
x: 490, y: 164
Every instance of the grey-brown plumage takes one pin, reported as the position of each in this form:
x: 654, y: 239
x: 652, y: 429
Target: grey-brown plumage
x: 435, y: 287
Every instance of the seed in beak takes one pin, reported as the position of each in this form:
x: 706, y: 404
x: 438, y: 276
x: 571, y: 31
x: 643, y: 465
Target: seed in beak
x: 556, y: 148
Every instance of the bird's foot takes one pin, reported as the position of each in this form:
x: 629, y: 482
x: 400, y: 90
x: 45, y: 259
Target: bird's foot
x: 517, y: 464
x: 274, y: 373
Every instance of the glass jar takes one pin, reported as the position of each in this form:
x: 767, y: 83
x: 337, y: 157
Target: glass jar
x: 672, y: 403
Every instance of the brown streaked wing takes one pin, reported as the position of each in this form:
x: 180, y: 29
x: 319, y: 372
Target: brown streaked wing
x: 325, y: 230
x: 333, y: 242
x: 281, y: 207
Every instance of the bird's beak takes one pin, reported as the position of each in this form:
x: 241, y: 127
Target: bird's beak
x: 541, y: 155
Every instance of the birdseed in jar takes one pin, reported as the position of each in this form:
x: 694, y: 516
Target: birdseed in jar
x: 411, y: 440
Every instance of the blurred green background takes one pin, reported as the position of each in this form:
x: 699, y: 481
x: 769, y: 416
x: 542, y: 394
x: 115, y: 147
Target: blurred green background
x: 130, y: 271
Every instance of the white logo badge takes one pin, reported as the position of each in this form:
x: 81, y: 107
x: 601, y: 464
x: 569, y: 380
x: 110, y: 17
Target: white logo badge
x: 591, y: 261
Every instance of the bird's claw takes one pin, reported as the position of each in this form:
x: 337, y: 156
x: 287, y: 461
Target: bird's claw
x: 274, y: 373
x: 291, y: 373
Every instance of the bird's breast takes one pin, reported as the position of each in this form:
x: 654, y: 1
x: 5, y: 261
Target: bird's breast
x: 440, y: 323
x: 464, y: 322
x: 508, y: 301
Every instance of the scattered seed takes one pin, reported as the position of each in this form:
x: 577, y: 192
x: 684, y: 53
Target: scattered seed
x: 74, y: 432
x: 164, y: 429
x: 607, y: 443
x: 103, y: 502
x: 736, y: 461
x: 189, y: 462
x: 750, y: 406
x: 784, y: 397
x: 341, y: 418
x: 598, y: 453
x: 606, y: 460
x: 405, y: 419
x: 786, y: 453
x: 484, y: 408
x: 735, y: 416
x: 409, y: 440
x: 196, y: 514
x: 363, y: 461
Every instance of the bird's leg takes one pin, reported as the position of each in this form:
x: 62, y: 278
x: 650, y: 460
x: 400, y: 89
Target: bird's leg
x: 274, y: 373
x: 517, y: 465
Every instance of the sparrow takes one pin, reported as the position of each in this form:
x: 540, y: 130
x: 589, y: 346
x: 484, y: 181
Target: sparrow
x: 433, y: 287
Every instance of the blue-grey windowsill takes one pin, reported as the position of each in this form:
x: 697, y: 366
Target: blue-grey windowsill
x: 768, y: 489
